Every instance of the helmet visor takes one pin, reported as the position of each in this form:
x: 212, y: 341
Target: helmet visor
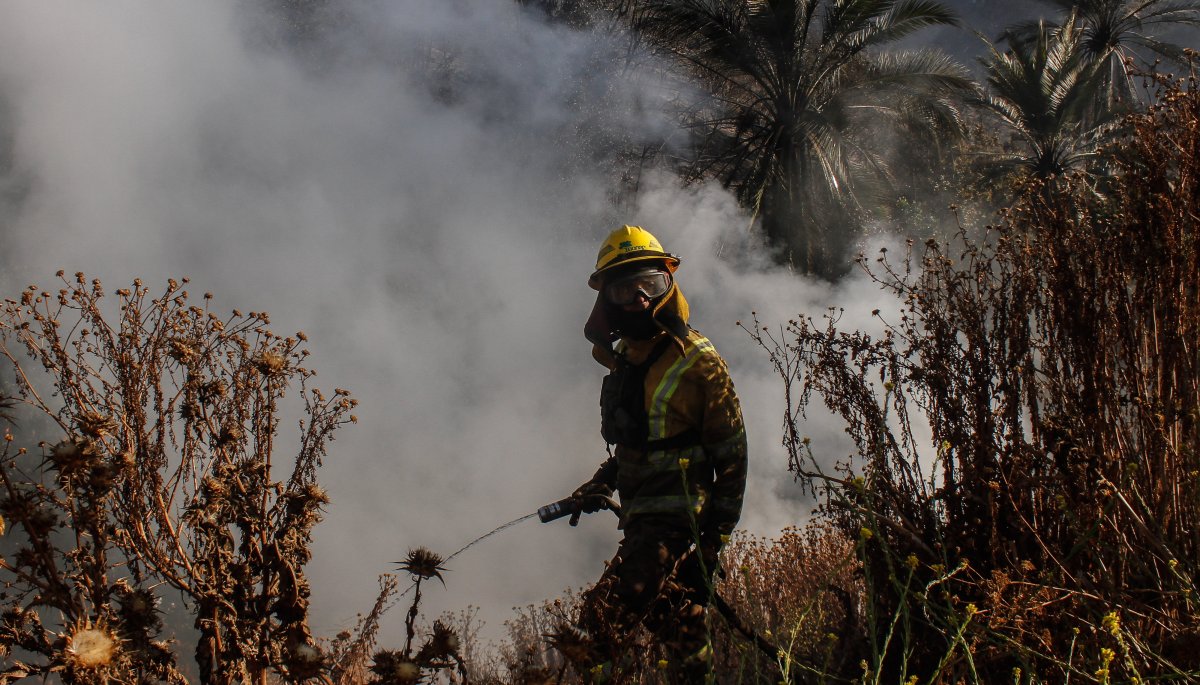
x: 649, y: 284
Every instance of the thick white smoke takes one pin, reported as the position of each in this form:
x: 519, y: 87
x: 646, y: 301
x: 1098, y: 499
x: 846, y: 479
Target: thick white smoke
x: 435, y: 249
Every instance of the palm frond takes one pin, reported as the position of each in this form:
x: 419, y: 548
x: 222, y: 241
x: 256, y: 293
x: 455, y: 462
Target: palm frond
x: 910, y: 16
x: 923, y: 71
x: 1180, y: 13
x: 1169, y: 51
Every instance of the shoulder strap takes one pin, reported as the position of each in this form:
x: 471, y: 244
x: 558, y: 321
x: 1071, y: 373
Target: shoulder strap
x: 688, y: 438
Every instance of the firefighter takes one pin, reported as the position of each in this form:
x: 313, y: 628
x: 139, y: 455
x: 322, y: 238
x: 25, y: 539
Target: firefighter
x: 678, y: 463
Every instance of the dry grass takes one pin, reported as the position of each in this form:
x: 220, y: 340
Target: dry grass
x: 801, y: 591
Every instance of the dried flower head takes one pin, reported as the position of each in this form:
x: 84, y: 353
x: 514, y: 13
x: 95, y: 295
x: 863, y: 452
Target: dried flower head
x: 304, y: 661
x: 443, y: 643
x: 230, y: 434
x: 123, y: 461
x: 213, y: 489
x: 212, y: 391
x: 572, y: 644
x: 270, y: 363
x: 423, y: 563
x: 392, y: 667
x: 140, y: 601
x: 73, y: 455
x: 91, y: 647
x: 182, y: 351
x: 315, y: 494
x: 190, y: 410
x: 306, y: 502
x: 306, y: 653
x: 96, y: 424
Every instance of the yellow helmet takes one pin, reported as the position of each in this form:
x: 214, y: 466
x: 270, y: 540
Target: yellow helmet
x: 629, y: 244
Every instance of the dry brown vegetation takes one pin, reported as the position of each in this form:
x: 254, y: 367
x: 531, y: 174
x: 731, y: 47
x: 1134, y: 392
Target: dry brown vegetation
x: 1050, y: 530
x: 802, y: 592
x: 166, y: 475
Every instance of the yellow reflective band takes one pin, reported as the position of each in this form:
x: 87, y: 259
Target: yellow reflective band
x: 669, y: 384
x: 661, y: 461
x: 668, y: 460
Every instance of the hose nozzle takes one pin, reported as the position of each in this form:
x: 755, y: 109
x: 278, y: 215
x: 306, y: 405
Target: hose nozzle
x: 574, y: 506
x: 556, y: 510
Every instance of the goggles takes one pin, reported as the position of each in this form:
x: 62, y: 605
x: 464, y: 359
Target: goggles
x: 649, y: 284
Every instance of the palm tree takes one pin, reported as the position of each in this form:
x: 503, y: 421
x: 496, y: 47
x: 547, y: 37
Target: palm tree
x: 1119, y: 32
x: 801, y: 94
x: 1044, y: 90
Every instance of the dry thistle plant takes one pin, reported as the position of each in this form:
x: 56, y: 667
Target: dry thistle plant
x: 440, y: 652
x: 1050, y: 530
x: 167, y: 474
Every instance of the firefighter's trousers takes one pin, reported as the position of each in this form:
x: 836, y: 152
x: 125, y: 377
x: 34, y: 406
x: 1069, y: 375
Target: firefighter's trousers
x: 656, y: 581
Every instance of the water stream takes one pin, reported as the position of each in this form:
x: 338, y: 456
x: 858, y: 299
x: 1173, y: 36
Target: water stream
x: 467, y: 546
x: 485, y: 536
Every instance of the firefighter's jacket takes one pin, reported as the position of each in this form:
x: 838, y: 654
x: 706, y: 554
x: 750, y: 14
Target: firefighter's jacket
x: 687, y: 389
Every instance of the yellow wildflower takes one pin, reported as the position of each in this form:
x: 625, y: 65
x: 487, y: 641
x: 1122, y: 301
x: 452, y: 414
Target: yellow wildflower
x: 1111, y: 623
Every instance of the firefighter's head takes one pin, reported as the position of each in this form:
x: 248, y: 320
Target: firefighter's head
x: 634, y: 276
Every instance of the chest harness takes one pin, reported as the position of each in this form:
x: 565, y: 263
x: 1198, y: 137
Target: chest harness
x: 623, y: 416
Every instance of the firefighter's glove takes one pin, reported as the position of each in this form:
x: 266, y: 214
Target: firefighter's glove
x: 592, y: 496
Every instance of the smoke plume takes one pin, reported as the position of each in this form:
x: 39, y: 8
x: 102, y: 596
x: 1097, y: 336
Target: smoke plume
x: 431, y: 235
